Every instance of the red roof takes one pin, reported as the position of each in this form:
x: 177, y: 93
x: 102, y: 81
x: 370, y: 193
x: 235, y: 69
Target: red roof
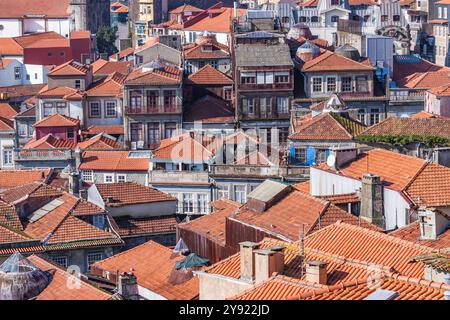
x: 425, y: 114
x: 48, y: 142
x: 57, y: 288
x: 185, y: 8
x: 182, y: 148
x: 99, y: 142
x: 111, y: 86
x: 329, y: 61
x: 101, y: 67
x: 129, y: 193
x: 47, y: 8
x: 152, y: 265
x: 112, y: 161
x: 129, y: 227
x: 118, y: 7
x: 219, y: 22
x: 209, y: 75
x: 404, y: 70
x: 9, y: 47
x: 197, y: 50
x: 7, y: 111
x: 427, y: 80
x: 166, y: 76
x: 57, y: 120
x: 65, y: 93
x: 14, y: 178
x: 411, y: 232
x: 80, y: 34
x: 108, y: 129
x: 70, y: 68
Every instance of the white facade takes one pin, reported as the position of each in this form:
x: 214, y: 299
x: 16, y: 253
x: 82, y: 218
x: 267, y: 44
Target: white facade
x: 6, y: 150
x: 11, y: 74
x: 74, y: 109
x: 18, y: 27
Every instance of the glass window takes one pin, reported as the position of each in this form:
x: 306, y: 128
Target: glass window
x: 17, y: 73
x: 317, y: 84
x: 239, y: 194
x: 108, y: 178
x: 250, y: 105
x: 175, y: 195
x: 169, y: 98
x: 361, y: 84
x: 152, y: 99
x: 153, y: 133
x: 248, y: 77
x: 169, y: 129
x: 93, y: 258
x: 384, y: 18
x: 7, y: 157
x: 374, y: 116
x: 99, y: 221
x: 136, y: 131
x: 87, y: 175
x: 362, y: 116
x: 77, y: 84
x: 321, y: 155
x: 61, y: 107
x: 30, y: 129
x: 94, y: 110
x: 397, y: 17
x: 264, y: 105
x: 331, y: 84
x: 300, y: 154
x: 48, y: 109
x: 188, y: 203
x: 335, y: 2
x: 70, y: 133
x: 121, y: 178
x: 282, y: 105
x: 135, y: 100
x: 346, y: 84
x: 227, y: 94
x: 110, y: 109
x: 202, y: 200
x: 223, y: 192
x: 314, y: 19
x: 23, y: 129
x: 334, y: 18
x: 61, y: 260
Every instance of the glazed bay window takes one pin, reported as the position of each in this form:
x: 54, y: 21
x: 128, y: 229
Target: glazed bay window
x: 361, y: 84
x: 282, y: 105
x: 331, y: 84
x: 346, y: 84
x: 317, y: 84
x: 48, y: 109
x: 94, y: 110
x: 188, y: 203
x: 300, y: 154
x: 87, y: 175
x: 248, y: 77
x: 110, y: 109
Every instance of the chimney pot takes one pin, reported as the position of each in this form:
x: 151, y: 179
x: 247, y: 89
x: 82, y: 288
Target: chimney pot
x: 316, y: 272
x: 127, y: 286
x: 267, y: 262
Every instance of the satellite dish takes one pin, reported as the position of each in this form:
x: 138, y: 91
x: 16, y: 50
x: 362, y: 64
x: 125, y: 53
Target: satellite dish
x: 331, y: 160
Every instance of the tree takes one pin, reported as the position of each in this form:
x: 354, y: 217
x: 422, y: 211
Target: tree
x: 106, y: 37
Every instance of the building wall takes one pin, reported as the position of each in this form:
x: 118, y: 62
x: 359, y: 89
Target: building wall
x: 437, y: 105
x: 7, y: 75
x: 35, y: 74
x: 145, y: 210
x: 59, y: 132
x: 132, y: 176
x: 103, y: 120
x: 6, y: 142
x: 11, y: 28
x: 216, y: 287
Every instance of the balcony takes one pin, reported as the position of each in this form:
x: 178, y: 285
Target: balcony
x: 406, y: 95
x: 244, y: 171
x: 144, y: 110
x: 274, y: 86
x: 178, y: 177
x: 43, y: 154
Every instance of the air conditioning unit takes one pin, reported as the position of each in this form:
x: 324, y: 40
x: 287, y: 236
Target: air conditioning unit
x: 133, y: 145
x: 140, y: 144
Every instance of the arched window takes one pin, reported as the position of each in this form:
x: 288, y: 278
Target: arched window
x: 334, y: 18
x: 314, y: 19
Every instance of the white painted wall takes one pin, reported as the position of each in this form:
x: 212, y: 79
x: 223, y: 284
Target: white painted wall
x: 327, y: 183
x: 395, y: 207
x: 61, y: 26
x: 7, y: 76
x: 11, y: 28
x: 37, y: 74
x: 6, y: 142
x: 76, y: 110
x: 34, y: 25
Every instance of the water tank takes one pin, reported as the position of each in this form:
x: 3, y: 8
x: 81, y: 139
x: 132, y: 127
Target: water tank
x: 349, y: 52
x: 20, y: 279
x: 307, y: 52
x: 299, y: 31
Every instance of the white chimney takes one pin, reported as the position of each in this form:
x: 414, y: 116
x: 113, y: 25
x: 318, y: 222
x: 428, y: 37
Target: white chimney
x: 316, y: 272
x: 268, y: 261
x: 432, y: 223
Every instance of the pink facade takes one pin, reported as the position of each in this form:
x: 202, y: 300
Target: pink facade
x: 65, y: 133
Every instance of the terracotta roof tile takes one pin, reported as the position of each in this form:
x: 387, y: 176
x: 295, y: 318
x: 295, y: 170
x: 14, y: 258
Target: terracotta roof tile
x: 152, y: 264
x: 118, y: 7
x: 9, y: 235
x: 185, y: 8
x: 48, y: 8
x: 9, y: 217
x: 108, y: 129
x: 7, y: 111
x: 329, y: 61
x: 57, y: 120
x: 411, y: 232
x: 209, y: 75
x: 65, y: 93
x: 14, y: 178
x: 57, y: 289
x: 219, y: 22
x: 112, y: 160
x: 146, y: 226
x: 6, y: 125
x: 405, y: 69
x: 103, y: 67
x: 99, y: 142
x: 425, y: 115
x: 70, y: 68
x: 182, y: 147
x: 209, y: 109
x: 127, y: 193
x: 9, y: 47
x: 196, y: 50
x: 48, y: 142
x: 111, y: 86
x: 168, y: 76
x: 427, y: 80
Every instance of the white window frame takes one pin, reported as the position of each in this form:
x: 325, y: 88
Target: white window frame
x: 188, y: 208
x: 93, y: 257
x: 9, y: 159
x: 244, y: 194
x: 316, y: 84
x: 223, y: 192
x: 108, y: 104
x: 99, y: 109
x: 120, y: 176
x: 202, y: 202
x: 87, y: 175
x: 335, y: 84
x: 59, y: 261
x: 108, y: 175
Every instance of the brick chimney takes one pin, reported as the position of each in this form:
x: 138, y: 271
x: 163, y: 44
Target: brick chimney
x: 372, y: 200
x: 316, y: 272
x: 247, y: 249
x: 268, y: 261
x: 127, y: 286
x: 432, y: 223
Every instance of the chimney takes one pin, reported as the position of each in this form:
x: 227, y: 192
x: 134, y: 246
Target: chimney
x: 372, y: 200
x: 127, y: 286
x: 340, y: 156
x: 432, y: 223
x: 247, y: 249
x: 77, y: 156
x: 316, y: 272
x: 268, y: 261
x: 74, y: 183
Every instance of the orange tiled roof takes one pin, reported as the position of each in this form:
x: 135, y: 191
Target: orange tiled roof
x: 404, y: 71
x: 425, y: 115
x: 9, y: 217
x: 48, y: 142
x: 124, y: 53
x: 80, y: 34
x: 152, y: 264
x: 19, y: 91
x: 7, y: 111
x: 212, y: 226
x: 329, y: 61
x: 427, y: 80
x: 411, y: 232
x: 327, y: 126
x: 219, y: 22
x: 209, y: 109
x: 111, y: 86
x: 112, y: 160
x: 168, y: 76
x: 108, y: 129
x: 303, y: 186
x: 182, y: 147
x: 70, y: 68
x: 65, y: 93
x: 209, y: 75
x: 57, y: 288
x: 6, y: 125
x: 4, y: 62
x: 441, y: 91
x: 101, y: 67
x: 9, y: 47
x: 35, y: 189
x: 99, y: 142
x: 50, y: 43
x: 127, y: 193
x: 48, y: 8
x: 128, y: 226
x: 196, y: 51
x: 14, y: 178
x: 184, y: 8
x: 411, y: 126
x: 118, y: 7
x: 57, y: 120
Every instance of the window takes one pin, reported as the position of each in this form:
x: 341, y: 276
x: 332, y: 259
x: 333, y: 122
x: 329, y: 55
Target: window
x: 374, y: 116
x: 188, y: 203
x: 317, y: 84
x: 331, y: 84
x: 282, y: 77
x: 300, y: 154
x: 384, y: 18
x: 17, y: 75
x: 62, y: 54
x: 135, y: 100
x: 223, y: 192
x: 264, y: 105
x: 121, y: 178
x: 136, y: 131
x: 282, y: 105
x: 28, y: 77
x: 87, y: 175
x: 49, y: 54
x: 321, y: 155
x: 439, y: 12
x: 70, y: 133
x: 302, y: 19
x: 362, y: 116
x: 202, y: 200
x: 366, y: 18
x: 93, y: 258
x: 445, y: 14
x: 22, y: 128
x: 110, y: 109
x: 108, y: 178
x: 35, y: 76
x: 396, y: 17
x: 248, y: 77
x: 153, y: 133
x: 94, y: 110
x: 48, y: 109
x: 334, y: 19
x: 30, y: 129
x: 77, y: 84
x: 227, y: 94
x: 250, y: 105
x: 7, y: 157
x: 152, y: 99
x: 61, y: 260
x: 169, y: 129
x: 175, y: 195
x: 315, y: 19
x: 356, y: 18
x: 239, y: 194
x: 361, y: 84
x: 169, y: 99
x: 99, y: 221
x: 335, y: 2
x: 346, y: 84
